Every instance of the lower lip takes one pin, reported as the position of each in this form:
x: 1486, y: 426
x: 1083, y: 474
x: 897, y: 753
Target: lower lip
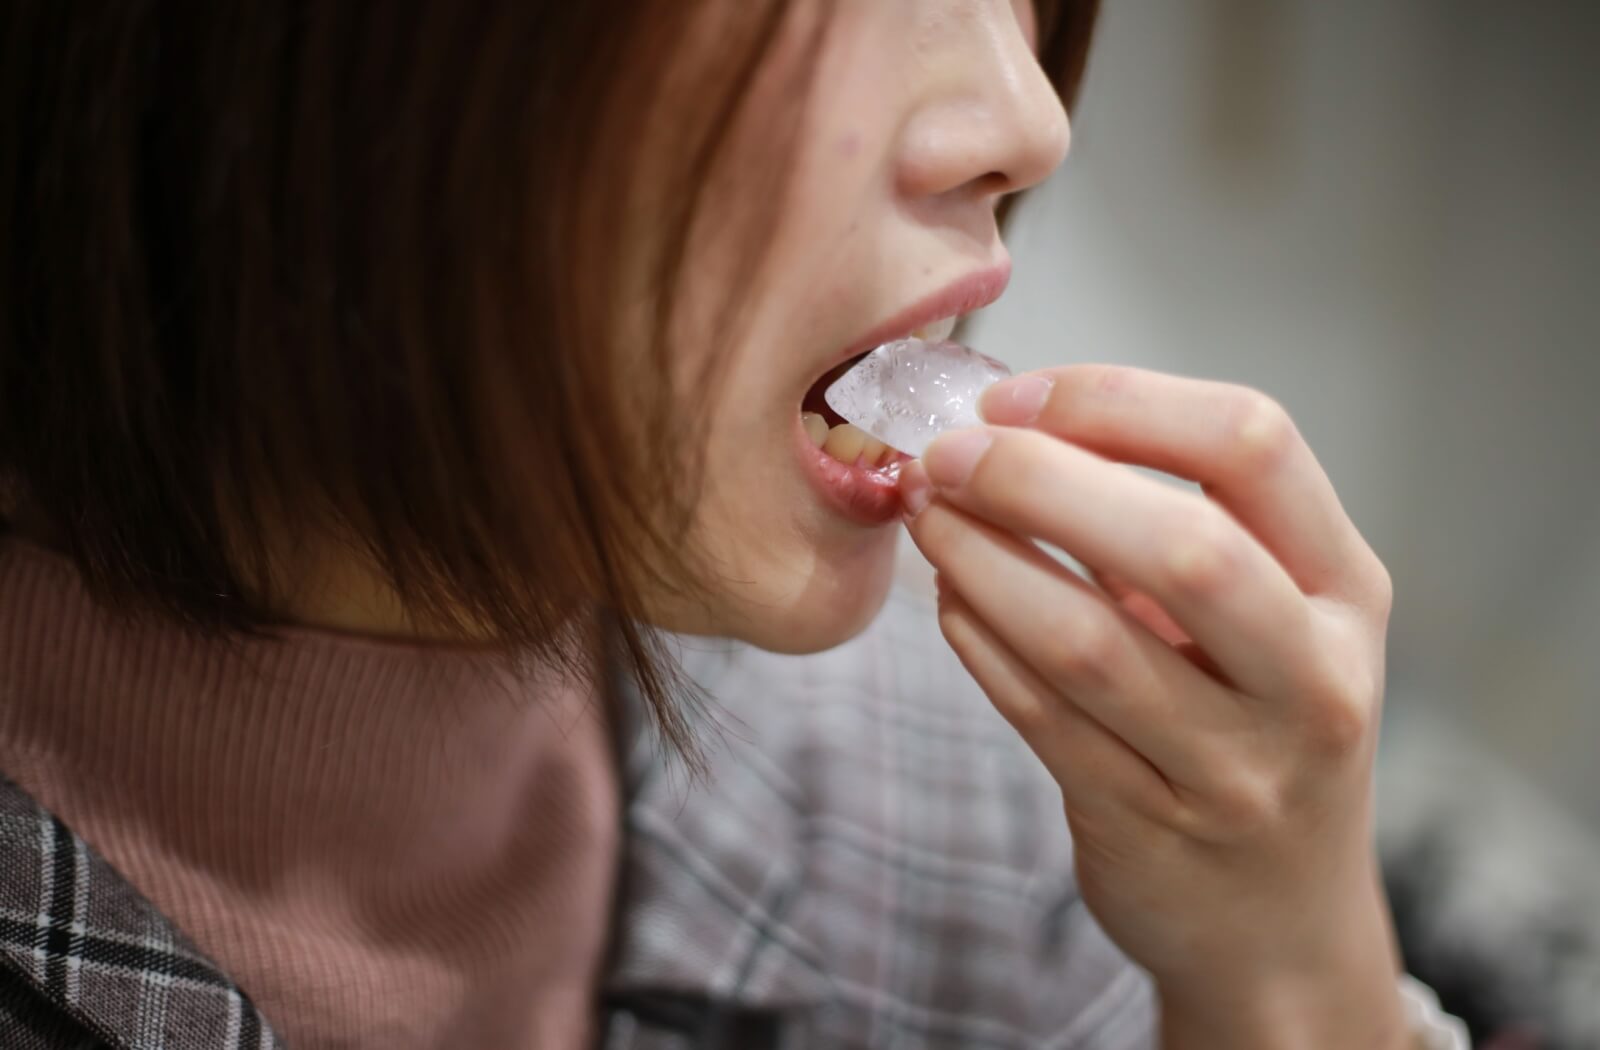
x: 866, y: 497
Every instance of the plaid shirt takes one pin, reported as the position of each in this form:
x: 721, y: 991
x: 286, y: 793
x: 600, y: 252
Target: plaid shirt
x: 875, y: 860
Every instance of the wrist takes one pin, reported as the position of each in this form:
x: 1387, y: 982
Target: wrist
x: 1278, y: 1018
x: 1337, y: 990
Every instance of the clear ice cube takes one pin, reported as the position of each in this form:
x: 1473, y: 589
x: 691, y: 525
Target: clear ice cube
x: 908, y: 392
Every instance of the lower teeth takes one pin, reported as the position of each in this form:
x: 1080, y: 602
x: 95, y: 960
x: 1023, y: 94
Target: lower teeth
x: 847, y: 443
x: 816, y: 427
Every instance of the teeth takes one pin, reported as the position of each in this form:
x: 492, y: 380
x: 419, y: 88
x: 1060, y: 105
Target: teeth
x: 937, y: 332
x: 816, y: 427
x: 845, y: 442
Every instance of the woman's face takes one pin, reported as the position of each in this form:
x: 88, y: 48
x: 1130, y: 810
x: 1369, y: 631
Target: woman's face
x: 923, y: 114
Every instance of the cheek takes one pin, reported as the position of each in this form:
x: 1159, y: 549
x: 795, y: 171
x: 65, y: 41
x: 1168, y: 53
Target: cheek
x: 832, y: 612
x: 787, y: 574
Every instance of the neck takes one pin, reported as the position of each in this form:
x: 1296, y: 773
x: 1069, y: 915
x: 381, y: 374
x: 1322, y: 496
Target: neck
x: 375, y: 737
x: 364, y: 831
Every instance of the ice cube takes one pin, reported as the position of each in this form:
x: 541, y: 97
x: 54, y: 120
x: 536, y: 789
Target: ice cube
x: 908, y: 392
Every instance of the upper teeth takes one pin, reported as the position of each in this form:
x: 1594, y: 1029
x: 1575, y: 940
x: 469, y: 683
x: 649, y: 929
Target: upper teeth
x: 937, y: 332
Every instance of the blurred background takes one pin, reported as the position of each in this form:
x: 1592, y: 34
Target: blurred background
x: 1384, y: 215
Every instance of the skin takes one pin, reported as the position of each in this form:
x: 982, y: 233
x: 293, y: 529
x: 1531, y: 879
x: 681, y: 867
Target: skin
x: 1208, y: 703
x: 890, y: 201
x: 1209, y: 706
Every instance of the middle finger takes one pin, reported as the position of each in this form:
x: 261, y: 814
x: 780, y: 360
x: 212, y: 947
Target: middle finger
x: 1215, y: 579
x: 1123, y: 676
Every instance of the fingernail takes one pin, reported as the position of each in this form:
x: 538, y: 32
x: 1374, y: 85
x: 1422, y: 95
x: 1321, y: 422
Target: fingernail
x: 950, y: 459
x: 915, y: 489
x: 1017, y: 401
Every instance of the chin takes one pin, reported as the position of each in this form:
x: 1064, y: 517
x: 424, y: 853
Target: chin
x: 805, y: 600
x: 832, y: 609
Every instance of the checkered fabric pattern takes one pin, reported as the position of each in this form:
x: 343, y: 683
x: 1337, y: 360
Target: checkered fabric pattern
x: 85, y: 962
x: 875, y: 861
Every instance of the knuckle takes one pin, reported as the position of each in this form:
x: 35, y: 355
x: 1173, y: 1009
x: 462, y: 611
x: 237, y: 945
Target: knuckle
x: 1246, y: 806
x: 1082, y: 648
x: 1226, y: 813
x: 1017, y: 466
x: 1033, y: 720
x: 1187, y: 818
x: 1099, y: 380
x: 1260, y: 432
x: 1339, y: 723
x: 953, y: 623
x: 1202, y: 552
x: 937, y: 533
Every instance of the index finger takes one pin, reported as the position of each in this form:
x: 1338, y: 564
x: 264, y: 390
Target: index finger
x: 1240, y: 445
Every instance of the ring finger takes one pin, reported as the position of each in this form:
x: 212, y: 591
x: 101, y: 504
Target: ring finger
x: 1127, y: 679
x: 1093, y: 765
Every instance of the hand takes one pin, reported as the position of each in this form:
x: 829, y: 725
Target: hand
x: 1209, y: 705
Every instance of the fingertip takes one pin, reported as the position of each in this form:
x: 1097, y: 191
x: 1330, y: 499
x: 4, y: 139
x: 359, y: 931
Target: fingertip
x: 952, y: 457
x: 1016, y: 401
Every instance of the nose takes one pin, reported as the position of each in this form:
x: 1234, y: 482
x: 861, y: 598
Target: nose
x: 988, y: 121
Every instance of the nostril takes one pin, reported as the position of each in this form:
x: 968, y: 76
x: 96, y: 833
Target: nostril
x: 994, y: 185
x: 1004, y: 143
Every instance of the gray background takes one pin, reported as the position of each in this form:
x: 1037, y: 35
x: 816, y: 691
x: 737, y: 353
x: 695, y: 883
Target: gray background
x: 1383, y: 214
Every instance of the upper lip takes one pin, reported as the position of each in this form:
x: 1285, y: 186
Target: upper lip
x: 972, y: 292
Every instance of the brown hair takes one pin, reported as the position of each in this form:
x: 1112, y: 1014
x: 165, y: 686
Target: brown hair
x: 355, y: 265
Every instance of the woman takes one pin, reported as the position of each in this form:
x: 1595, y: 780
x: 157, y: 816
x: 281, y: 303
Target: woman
x: 378, y: 378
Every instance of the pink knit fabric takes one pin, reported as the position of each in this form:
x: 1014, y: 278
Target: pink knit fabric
x: 387, y: 845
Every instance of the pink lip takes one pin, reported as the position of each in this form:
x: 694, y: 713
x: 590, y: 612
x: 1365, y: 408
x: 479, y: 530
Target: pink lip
x: 864, y: 496
x: 972, y: 292
x: 872, y: 497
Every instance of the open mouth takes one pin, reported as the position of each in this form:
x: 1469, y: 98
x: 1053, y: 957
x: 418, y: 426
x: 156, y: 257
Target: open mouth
x: 842, y: 440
